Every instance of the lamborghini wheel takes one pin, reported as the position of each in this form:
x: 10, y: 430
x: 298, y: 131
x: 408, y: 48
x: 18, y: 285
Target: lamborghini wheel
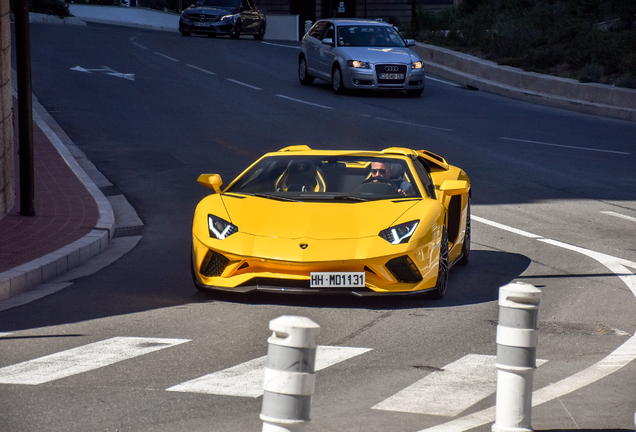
x: 466, y: 247
x: 442, y: 273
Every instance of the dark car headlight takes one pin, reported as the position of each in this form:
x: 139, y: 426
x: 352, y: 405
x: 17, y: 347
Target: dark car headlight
x: 358, y: 64
x: 229, y: 18
x: 219, y: 228
x: 399, y: 233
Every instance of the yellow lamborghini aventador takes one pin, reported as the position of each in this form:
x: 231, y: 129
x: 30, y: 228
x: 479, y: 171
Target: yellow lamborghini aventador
x: 312, y: 221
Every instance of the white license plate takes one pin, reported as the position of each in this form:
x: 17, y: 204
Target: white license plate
x: 202, y: 24
x: 337, y: 280
x: 391, y: 76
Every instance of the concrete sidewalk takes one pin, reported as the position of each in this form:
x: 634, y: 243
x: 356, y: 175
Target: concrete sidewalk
x: 76, y: 229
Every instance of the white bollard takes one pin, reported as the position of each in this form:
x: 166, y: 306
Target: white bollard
x: 517, y: 338
x: 308, y: 25
x: 289, y: 374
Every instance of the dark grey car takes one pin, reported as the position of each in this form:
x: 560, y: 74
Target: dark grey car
x: 360, y: 54
x: 223, y: 17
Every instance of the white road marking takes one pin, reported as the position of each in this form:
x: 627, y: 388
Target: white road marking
x: 109, y: 71
x: 505, y: 227
x: 243, y: 84
x: 460, y: 385
x: 618, y: 215
x: 246, y: 379
x: 443, y: 81
x: 4, y: 334
x: 414, y: 124
x: 618, y: 358
x: 82, y: 359
x: 303, y: 102
x: 451, y: 391
x: 102, y: 69
x: 279, y: 45
x: 200, y: 69
x: 139, y: 45
x: 129, y: 77
x: 565, y: 146
x: 165, y: 56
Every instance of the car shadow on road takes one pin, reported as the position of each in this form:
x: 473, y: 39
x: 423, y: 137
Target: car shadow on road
x: 476, y: 282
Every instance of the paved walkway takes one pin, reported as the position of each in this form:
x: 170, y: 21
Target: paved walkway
x: 73, y: 222
x: 64, y: 209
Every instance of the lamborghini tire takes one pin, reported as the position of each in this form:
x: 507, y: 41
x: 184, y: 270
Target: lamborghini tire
x: 442, y: 272
x: 466, y: 246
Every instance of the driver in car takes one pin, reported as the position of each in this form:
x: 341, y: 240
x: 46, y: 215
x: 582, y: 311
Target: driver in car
x: 382, y: 172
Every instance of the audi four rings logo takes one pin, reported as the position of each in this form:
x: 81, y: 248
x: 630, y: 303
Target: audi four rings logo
x: 391, y: 68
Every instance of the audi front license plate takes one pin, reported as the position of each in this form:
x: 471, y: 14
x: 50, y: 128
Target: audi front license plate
x: 337, y: 280
x: 391, y: 76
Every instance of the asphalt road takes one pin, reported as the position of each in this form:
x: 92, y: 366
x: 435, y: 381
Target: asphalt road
x: 554, y: 204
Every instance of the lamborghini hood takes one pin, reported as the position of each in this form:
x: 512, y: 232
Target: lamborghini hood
x: 313, y: 220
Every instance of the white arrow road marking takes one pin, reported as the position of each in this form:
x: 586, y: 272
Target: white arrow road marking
x: 129, y: 77
x: 109, y: 71
x: 610, y: 364
x: 449, y: 392
x: 246, y: 379
x: 82, y: 359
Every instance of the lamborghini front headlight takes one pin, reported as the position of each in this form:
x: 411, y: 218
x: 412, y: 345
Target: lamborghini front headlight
x: 219, y: 228
x: 399, y: 233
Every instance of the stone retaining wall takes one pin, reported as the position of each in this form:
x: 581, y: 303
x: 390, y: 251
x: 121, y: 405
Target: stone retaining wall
x: 591, y: 98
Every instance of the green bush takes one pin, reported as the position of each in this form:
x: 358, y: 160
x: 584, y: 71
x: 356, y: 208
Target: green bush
x: 591, y: 40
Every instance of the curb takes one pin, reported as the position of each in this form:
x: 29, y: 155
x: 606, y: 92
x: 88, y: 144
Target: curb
x: 29, y: 275
x: 472, y: 72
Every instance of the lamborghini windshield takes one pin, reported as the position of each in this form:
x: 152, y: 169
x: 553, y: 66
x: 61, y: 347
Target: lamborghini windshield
x: 325, y: 178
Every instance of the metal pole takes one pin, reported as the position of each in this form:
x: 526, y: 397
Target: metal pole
x: 25, y: 107
x: 289, y: 374
x: 517, y: 338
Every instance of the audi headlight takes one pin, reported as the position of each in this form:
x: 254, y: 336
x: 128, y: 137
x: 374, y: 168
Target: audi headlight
x: 417, y: 65
x: 219, y: 228
x: 229, y: 18
x: 358, y: 64
x: 399, y: 233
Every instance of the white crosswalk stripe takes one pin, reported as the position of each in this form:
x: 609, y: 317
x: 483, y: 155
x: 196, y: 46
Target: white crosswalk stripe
x: 449, y: 392
x: 246, y: 379
x: 82, y: 359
